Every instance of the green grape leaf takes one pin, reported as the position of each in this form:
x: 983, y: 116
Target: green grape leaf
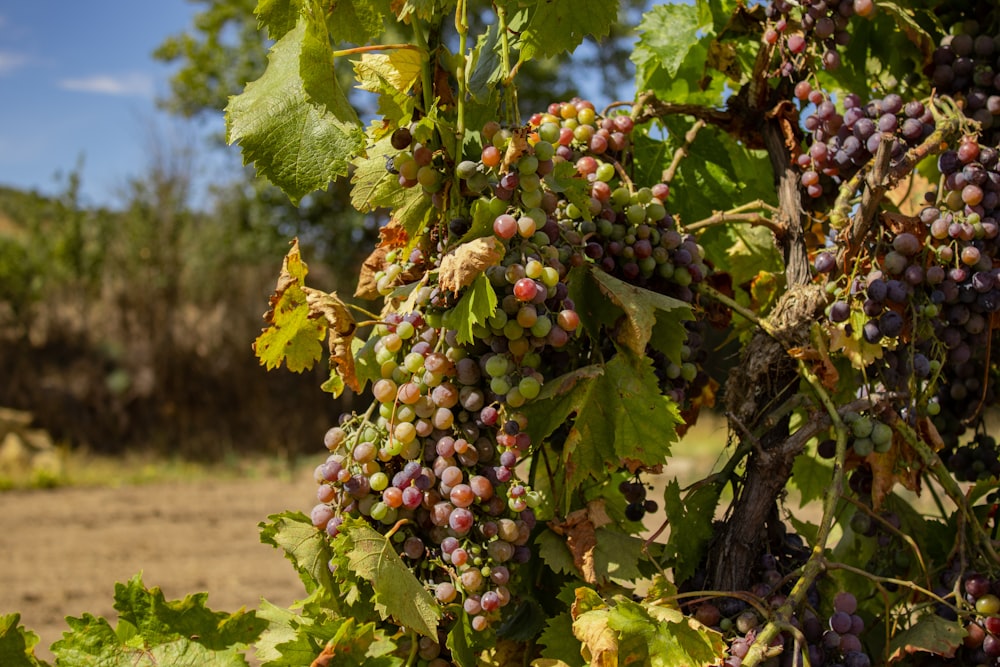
x: 663, y: 637
x: 559, y: 644
x: 484, y: 67
x: 930, y: 634
x: 292, y: 336
x: 554, y: 553
x: 561, y: 25
x: 291, y: 640
x: 358, y: 21
x: 374, y: 187
x: 157, y: 619
x: 278, y: 16
x: 305, y: 546
x: 811, y: 475
x: 294, y: 123
x: 463, y: 641
x: 621, y: 418
x: 477, y: 305
x: 691, y: 526
x: 391, y: 77
x: 641, y: 307
x: 152, y: 631
x: 617, y: 555
x: 671, y: 37
x: 17, y: 645
x: 397, y: 592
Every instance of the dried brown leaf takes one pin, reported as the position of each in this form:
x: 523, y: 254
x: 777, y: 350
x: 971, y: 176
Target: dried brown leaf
x: 341, y: 326
x: 461, y: 266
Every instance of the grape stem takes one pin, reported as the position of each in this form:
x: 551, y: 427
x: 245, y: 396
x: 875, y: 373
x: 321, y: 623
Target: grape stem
x: 648, y: 107
x: 414, y: 646
x: 425, y: 69
x: 738, y: 215
x: 682, y: 151
x: 751, y: 316
x: 372, y: 48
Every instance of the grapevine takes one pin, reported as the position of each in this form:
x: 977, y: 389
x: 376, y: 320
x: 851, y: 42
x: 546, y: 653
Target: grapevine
x: 795, y: 222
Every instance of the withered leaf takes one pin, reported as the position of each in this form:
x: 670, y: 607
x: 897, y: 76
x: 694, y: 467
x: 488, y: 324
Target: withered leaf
x: 463, y: 264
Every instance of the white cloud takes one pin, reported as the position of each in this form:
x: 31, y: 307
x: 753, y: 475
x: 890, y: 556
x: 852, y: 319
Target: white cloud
x: 11, y: 61
x: 106, y: 84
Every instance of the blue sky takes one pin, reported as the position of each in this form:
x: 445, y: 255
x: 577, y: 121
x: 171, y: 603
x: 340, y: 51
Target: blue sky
x: 77, y: 80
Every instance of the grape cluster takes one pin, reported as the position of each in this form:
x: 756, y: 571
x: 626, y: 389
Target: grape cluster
x: 974, y: 461
x: 435, y: 459
x: 966, y: 65
x: 925, y: 298
x: 814, y: 27
x: 841, y: 143
x: 832, y: 638
x: 634, y: 492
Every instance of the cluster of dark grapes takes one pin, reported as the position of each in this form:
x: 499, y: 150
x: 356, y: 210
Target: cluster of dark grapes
x: 820, y: 23
x: 634, y: 492
x: 436, y: 457
x: 928, y: 294
x: 966, y: 65
x: 975, y: 460
x: 832, y: 639
x: 841, y: 143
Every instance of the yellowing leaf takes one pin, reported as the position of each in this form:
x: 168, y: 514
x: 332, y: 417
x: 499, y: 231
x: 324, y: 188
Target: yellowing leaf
x: 292, y: 337
x: 466, y: 262
x: 399, y: 69
x: 600, y: 641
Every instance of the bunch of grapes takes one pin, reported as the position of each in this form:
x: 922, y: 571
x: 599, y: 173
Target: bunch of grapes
x: 842, y: 143
x: 435, y: 460
x: 812, y: 27
x: 634, y: 492
x: 832, y: 638
x: 966, y: 65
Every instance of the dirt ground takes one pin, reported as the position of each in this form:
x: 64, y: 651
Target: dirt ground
x: 62, y: 550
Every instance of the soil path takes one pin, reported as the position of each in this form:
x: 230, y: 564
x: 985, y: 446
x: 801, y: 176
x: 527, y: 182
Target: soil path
x: 62, y: 550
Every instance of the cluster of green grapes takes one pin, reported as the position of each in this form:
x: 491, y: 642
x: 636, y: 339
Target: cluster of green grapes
x: 437, y: 459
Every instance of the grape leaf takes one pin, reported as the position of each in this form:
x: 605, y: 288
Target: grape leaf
x: 292, y: 335
x: 484, y: 68
x: 641, y: 307
x: 475, y: 307
x: 278, y: 16
x: 811, y: 476
x: 662, y: 636
x: 600, y: 641
x: 561, y: 25
x: 560, y: 646
x: 152, y: 631
x: 305, y: 546
x: 397, y: 592
x: 358, y: 21
x: 691, y: 526
x: 617, y: 555
x: 620, y: 415
x: 398, y: 70
x: 17, y: 645
x: 669, y: 35
x: 374, y: 187
x: 299, y: 140
x: 930, y: 634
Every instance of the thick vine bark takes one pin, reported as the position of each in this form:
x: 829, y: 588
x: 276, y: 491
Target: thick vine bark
x: 766, y: 378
